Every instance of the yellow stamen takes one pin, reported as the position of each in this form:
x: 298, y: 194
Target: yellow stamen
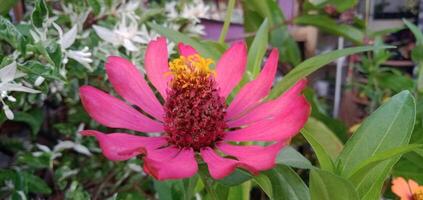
x: 418, y: 195
x: 187, y: 71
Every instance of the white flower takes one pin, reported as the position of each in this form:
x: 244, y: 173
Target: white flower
x: 76, y: 17
x: 82, y: 56
x: 64, y: 145
x: 170, y: 9
x: 126, y: 33
x: 195, y: 10
x: 65, y: 41
x: 196, y: 29
x: 7, y: 84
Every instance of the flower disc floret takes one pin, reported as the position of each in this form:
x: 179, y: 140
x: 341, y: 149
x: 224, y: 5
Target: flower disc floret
x: 194, y: 110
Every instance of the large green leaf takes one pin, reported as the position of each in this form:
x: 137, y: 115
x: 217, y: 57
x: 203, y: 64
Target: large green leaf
x: 359, y: 173
x: 312, y: 64
x: 282, y: 183
x: 325, y: 137
x: 322, y: 154
x: 328, y: 186
x: 257, y: 50
x: 330, y: 26
x: 318, y: 111
x: 205, y: 50
x: 291, y: 157
x: 416, y: 31
x: 237, y: 177
x: 388, y: 127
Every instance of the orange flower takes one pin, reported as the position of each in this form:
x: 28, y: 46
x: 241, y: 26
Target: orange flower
x: 407, y: 190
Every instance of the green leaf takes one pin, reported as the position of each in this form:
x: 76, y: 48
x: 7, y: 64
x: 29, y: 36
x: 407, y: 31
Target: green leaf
x: 365, y: 167
x: 36, y: 68
x: 330, y: 26
x: 130, y: 196
x: 342, y: 5
x: 282, y: 183
x: 318, y: 111
x: 189, y: 187
x: 12, y: 35
x: 323, y: 157
x: 312, y: 64
x: 55, y: 53
x: 325, y: 137
x: 175, y: 36
x: 163, y: 189
x: 390, y: 126
x: 35, y: 184
x: 237, y: 177
x: 416, y: 31
x: 258, y: 49
x: 410, y: 167
x: 25, y: 181
x: 291, y: 157
x: 95, y: 5
x: 328, y: 186
x: 33, y: 118
x: 394, y: 82
x: 279, y: 35
x: 39, y: 13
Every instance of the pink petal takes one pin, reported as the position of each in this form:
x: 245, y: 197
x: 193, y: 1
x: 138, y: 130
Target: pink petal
x: 218, y: 167
x: 130, y: 84
x: 231, y: 67
x: 271, y: 108
x: 186, y: 50
x: 122, y: 146
x: 255, y: 90
x: 257, y: 157
x: 171, y: 163
x: 280, y: 128
x: 156, y: 65
x: 114, y: 113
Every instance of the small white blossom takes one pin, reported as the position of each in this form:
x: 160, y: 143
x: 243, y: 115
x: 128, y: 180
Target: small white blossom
x: 195, y: 10
x: 127, y: 33
x: 65, y: 41
x: 39, y: 81
x: 64, y: 145
x: 8, y: 74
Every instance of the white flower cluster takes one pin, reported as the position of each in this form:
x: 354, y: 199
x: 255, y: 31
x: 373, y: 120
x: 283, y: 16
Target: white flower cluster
x: 66, y: 40
x: 192, y: 12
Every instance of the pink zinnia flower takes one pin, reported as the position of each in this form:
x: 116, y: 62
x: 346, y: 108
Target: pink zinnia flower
x: 194, y: 119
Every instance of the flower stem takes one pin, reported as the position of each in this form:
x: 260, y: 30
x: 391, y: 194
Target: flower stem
x: 228, y: 17
x: 208, y: 183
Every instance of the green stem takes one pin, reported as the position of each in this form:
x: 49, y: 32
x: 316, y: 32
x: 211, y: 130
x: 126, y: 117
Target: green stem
x: 208, y: 184
x: 228, y: 17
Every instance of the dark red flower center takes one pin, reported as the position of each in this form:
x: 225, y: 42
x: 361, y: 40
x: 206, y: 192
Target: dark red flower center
x: 194, y: 110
